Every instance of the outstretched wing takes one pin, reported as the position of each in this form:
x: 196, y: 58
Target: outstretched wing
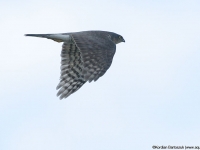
x: 71, y: 78
x: 97, y: 51
x: 87, y: 58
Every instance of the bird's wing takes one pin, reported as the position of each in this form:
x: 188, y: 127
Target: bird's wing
x: 71, y: 78
x: 97, y: 51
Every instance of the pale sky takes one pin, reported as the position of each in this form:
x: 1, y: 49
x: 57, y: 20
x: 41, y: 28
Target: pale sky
x: 149, y: 96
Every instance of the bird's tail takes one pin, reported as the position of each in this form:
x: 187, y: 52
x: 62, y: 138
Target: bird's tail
x: 39, y: 35
x: 55, y: 37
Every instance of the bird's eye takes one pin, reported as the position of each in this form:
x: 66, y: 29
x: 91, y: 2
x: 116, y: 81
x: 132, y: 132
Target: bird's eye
x: 120, y: 37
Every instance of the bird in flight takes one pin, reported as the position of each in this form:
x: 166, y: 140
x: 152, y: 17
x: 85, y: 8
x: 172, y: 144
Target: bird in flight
x: 85, y: 56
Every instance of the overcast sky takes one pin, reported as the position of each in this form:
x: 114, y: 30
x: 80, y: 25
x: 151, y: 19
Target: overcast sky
x: 149, y: 96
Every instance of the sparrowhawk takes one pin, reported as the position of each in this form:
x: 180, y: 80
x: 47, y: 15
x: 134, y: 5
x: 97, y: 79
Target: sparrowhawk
x: 85, y: 56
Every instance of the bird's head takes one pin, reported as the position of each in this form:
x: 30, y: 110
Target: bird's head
x: 116, y: 38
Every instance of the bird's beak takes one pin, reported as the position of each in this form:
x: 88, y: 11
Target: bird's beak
x: 123, y: 40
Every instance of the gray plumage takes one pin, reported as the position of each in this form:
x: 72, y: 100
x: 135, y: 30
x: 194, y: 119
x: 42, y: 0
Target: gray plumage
x: 85, y: 56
